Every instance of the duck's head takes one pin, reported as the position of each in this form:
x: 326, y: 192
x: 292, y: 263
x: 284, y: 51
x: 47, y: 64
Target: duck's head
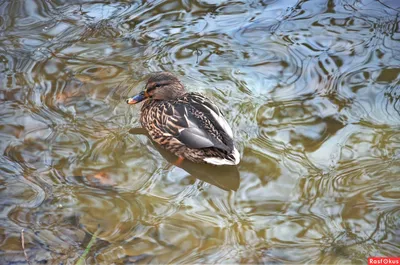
x: 160, y: 86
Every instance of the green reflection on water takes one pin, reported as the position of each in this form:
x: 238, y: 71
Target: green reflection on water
x: 311, y: 89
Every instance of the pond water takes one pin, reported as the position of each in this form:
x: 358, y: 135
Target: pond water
x: 311, y: 89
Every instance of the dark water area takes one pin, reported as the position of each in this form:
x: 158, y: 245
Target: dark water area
x: 310, y: 88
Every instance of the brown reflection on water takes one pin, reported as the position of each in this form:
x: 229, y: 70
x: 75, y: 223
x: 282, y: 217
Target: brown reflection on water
x: 311, y: 89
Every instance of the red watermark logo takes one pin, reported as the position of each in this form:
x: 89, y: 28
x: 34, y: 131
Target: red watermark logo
x: 384, y: 260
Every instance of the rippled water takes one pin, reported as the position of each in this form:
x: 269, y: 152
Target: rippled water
x: 311, y: 89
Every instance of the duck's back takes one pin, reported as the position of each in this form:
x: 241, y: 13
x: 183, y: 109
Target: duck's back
x: 190, y: 121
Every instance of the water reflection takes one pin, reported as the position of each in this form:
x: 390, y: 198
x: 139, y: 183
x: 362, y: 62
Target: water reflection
x: 224, y: 177
x: 311, y: 89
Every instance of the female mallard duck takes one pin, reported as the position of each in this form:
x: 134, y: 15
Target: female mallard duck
x: 187, y: 124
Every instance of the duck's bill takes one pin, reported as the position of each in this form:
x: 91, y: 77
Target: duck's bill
x: 136, y: 99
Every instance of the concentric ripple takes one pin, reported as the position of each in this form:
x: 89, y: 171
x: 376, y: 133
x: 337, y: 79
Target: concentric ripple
x: 311, y: 89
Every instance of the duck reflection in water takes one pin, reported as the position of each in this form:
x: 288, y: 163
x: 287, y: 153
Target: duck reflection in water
x: 224, y: 177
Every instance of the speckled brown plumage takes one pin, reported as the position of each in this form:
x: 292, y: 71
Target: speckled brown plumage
x: 187, y: 124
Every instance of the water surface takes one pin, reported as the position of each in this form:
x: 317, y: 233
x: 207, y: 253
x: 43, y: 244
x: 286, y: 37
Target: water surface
x: 311, y: 89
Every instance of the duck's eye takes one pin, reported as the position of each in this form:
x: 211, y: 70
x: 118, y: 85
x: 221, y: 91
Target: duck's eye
x: 158, y: 85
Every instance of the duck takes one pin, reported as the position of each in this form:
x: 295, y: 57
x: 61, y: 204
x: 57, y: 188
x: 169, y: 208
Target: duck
x: 187, y: 124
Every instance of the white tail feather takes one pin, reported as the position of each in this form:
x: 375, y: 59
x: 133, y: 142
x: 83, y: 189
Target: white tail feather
x: 223, y: 161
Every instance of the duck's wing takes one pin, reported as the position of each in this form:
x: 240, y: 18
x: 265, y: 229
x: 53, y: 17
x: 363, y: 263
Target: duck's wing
x: 194, y: 126
x: 210, y: 110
